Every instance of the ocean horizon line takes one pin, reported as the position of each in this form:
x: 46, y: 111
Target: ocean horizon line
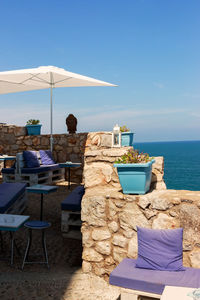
x: 181, y: 141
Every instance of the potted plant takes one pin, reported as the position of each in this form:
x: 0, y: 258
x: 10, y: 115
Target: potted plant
x: 126, y: 136
x: 134, y: 171
x: 33, y: 127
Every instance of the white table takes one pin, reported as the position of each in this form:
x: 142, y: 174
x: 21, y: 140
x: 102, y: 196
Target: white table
x: 12, y: 223
x: 177, y: 293
x: 41, y: 189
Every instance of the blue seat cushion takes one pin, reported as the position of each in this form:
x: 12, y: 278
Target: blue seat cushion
x: 152, y: 281
x: 40, y: 169
x: 73, y: 200
x: 31, y: 159
x: 8, y: 170
x: 46, y: 157
x: 9, y: 193
x: 37, y: 224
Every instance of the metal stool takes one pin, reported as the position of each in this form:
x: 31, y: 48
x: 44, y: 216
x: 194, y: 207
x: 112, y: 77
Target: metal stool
x: 38, y: 225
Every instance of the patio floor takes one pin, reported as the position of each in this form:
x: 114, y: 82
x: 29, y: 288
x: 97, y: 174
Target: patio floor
x: 64, y: 279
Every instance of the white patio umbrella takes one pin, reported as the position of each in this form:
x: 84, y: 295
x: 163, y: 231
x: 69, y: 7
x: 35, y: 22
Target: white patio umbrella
x: 42, y: 78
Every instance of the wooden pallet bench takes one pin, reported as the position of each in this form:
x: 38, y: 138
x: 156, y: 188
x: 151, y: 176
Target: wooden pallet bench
x: 13, y: 198
x: 45, y: 174
x: 138, y: 282
x: 71, y: 214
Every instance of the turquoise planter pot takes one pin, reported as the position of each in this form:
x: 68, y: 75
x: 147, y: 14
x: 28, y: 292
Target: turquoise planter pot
x: 127, y: 138
x: 34, y: 129
x: 135, y: 178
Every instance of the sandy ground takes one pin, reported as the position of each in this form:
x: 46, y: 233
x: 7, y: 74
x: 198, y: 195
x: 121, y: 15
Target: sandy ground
x: 36, y: 281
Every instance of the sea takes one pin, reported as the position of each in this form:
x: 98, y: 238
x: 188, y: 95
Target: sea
x: 181, y: 162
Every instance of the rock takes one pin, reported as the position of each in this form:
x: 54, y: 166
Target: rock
x: 112, y: 210
x: 103, y: 247
x: 119, y: 254
x: 45, y: 141
x: 131, y: 198
x: 28, y: 142
x: 86, y: 267
x: 160, y: 185
x: 109, y: 261
x: 187, y: 200
x: 190, y: 221
x: 187, y: 246
x: 101, y: 234
x: 133, y: 247
x: 160, y: 203
x: 119, y: 240
x: 86, y: 238
x: 163, y: 221
x: 131, y: 216
x: 18, y: 131
x: 150, y: 213
x: 98, y: 270
x: 144, y: 202
x: 175, y: 200
x: 97, y: 173
x: 113, y: 226
x: 128, y: 233
x: 173, y: 213
x: 195, y: 259
x: 93, y: 210
x: 106, y: 140
x: 90, y: 254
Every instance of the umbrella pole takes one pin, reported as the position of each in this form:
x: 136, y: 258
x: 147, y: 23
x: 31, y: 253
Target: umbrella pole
x: 51, y: 120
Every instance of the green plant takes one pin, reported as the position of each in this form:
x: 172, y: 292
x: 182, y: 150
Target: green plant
x: 133, y: 156
x: 32, y: 122
x: 124, y: 129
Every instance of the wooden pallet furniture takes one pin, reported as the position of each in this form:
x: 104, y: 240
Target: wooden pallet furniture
x: 138, y: 282
x: 45, y: 174
x: 13, y: 198
x: 71, y: 214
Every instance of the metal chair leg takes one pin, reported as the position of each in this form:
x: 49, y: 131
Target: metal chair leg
x: 27, y: 247
x: 12, y: 248
x: 45, y: 248
x: 1, y: 237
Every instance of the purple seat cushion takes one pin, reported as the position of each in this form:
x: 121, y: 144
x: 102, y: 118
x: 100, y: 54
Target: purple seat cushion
x: 152, y: 281
x: 160, y: 249
x: 46, y: 157
x: 31, y: 159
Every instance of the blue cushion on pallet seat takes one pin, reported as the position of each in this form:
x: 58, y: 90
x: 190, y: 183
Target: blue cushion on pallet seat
x: 9, y: 193
x: 46, y: 157
x: 39, y: 169
x: 73, y: 200
x: 31, y: 159
x: 8, y: 170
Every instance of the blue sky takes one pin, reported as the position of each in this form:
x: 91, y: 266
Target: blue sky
x: 150, y: 48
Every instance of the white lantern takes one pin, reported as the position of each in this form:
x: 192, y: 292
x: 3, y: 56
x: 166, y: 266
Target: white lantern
x: 116, y: 136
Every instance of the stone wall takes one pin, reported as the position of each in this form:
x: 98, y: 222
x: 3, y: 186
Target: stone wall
x: 67, y: 147
x: 110, y: 218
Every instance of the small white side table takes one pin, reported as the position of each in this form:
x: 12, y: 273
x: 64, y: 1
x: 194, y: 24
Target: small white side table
x: 12, y: 223
x: 176, y: 293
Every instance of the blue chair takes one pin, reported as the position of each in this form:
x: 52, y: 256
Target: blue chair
x: 36, y: 225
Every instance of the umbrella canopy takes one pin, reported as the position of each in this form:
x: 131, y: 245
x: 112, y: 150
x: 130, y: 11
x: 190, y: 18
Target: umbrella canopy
x: 42, y: 78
